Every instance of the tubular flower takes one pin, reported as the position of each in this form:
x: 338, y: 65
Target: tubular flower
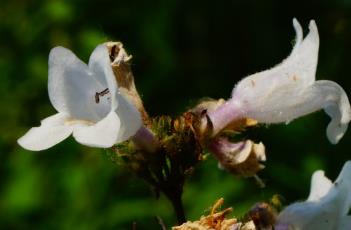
x: 88, y: 102
x: 326, y: 208
x: 243, y: 158
x: 288, y: 91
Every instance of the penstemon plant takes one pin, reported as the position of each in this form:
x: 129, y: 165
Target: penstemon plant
x: 100, y: 106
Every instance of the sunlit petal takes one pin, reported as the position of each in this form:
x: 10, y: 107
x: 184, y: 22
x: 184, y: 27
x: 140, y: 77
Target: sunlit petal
x: 269, y: 95
x: 72, y: 87
x: 103, y: 134
x: 288, y: 91
x: 51, y: 132
x: 100, y: 65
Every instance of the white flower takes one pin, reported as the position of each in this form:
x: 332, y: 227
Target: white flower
x: 288, y: 91
x: 326, y: 208
x: 88, y: 102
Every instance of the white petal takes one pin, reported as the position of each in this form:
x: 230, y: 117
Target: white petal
x: 130, y: 118
x: 327, y: 207
x: 103, y: 134
x: 293, y: 74
x: 333, y: 99
x: 289, y: 91
x: 293, y: 104
x: 51, y: 132
x: 343, y: 187
x: 100, y: 64
x: 299, y: 34
x: 72, y: 87
x: 320, y: 186
x: 345, y: 223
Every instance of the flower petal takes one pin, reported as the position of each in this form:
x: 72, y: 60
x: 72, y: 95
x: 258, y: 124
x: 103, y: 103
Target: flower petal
x: 342, y: 186
x: 320, y: 186
x: 258, y: 92
x: 325, y: 209
x: 299, y: 35
x: 289, y: 91
x: 100, y: 64
x: 103, y: 134
x: 72, y: 87
x: 345, y: 223
x: 51, y: 132
x: 329, y: 96
x: 243, y: 158
x: 130, y: 119
x: 337, y: 106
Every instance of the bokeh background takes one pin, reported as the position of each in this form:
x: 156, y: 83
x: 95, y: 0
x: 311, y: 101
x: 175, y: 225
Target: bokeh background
x: 182, y: 51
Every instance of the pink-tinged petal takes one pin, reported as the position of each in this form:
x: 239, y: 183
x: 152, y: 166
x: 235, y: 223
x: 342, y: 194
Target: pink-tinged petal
x: 100, y: 65
x: 103, y: 134
x: 73, y: 87
x: 242, y: 158
x: 51, y: 132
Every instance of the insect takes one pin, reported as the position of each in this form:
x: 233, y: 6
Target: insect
x: 263, y: 215
x: 100, y: 94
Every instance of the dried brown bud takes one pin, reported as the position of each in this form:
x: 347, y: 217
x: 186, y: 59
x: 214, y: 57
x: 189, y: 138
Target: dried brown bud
x: 216, y: 220
x: 242, y: 158
x: 120, y: 62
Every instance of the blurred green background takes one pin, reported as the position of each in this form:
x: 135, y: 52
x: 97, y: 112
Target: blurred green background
x: 182, y: 51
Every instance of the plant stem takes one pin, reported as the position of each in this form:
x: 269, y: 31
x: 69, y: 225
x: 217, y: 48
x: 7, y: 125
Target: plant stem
x: 176, y: 200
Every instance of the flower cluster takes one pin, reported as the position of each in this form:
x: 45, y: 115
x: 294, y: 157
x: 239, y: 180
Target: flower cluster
x: 99, y: 105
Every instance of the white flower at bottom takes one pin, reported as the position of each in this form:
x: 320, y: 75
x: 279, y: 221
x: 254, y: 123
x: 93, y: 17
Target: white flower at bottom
x: 88, y: 102
x: 288, y: 91
x: 326, y: 208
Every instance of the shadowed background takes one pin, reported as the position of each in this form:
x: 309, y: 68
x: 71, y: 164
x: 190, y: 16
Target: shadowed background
x: 182, y: 51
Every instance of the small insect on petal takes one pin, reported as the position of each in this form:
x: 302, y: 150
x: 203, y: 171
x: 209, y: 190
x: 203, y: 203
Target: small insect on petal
x: 100, y: 94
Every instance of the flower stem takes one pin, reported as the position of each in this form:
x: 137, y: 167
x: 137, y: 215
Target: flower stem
x: 175, y: 197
